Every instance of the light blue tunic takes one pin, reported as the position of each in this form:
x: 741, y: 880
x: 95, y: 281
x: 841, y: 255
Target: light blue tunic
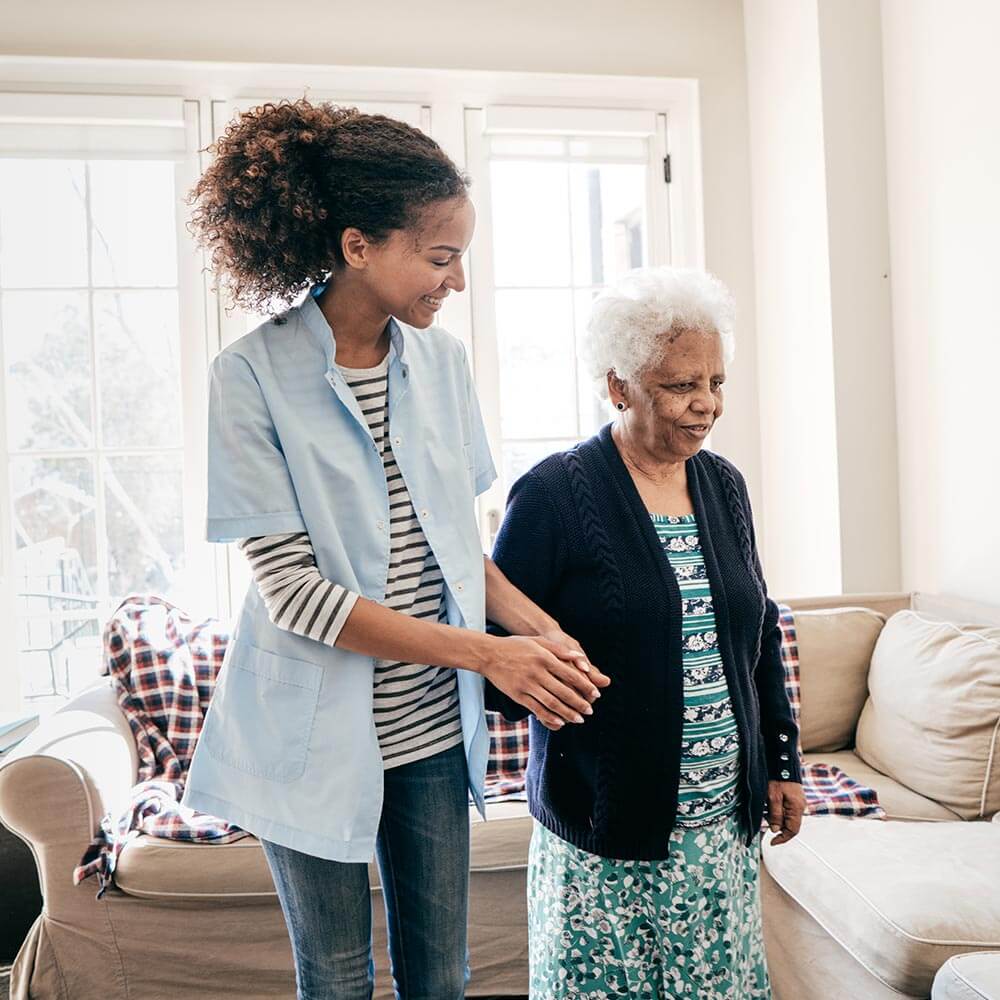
x: 289, y: 750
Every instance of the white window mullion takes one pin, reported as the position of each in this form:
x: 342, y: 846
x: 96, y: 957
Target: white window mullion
x: 100, y: 513
x: 482, y: 293
x: 10, y: 675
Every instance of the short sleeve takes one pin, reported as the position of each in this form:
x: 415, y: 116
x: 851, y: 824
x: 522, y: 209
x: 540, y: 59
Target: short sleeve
x: 250, y: 490
x: 484, y: 472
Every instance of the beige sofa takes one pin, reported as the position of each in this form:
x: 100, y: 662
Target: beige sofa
x: 852, y: 908
x: 859, y: 908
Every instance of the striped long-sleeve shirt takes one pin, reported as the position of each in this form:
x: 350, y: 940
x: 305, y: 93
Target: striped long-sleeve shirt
x: 415, y: 705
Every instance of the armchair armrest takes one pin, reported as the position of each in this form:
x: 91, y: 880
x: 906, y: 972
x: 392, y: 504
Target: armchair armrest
x: 77, y: 765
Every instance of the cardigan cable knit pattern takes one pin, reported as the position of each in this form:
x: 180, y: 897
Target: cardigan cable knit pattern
x: 611, y: 603
x: 578, y: 540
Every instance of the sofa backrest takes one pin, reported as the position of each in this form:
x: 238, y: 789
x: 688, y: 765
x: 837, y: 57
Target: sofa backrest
x: 835, y: 650
x: 836, y: 635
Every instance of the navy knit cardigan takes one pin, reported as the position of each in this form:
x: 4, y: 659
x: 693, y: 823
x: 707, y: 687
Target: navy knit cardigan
x: 578, y: 540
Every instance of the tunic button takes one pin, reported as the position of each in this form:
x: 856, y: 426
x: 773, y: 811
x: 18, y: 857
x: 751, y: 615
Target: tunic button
x: 397, y: 440
x: 460, y: 586
x: 424, y: 512
x: 380, y: 525
x: 786, y: 774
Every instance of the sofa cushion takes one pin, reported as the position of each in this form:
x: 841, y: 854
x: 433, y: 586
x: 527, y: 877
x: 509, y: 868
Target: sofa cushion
x: 835, y: 650
x: 932, y: 720
x: 173, y: 869
x: 975, y: 976
x: 901, y: 898
x: 899, y: 802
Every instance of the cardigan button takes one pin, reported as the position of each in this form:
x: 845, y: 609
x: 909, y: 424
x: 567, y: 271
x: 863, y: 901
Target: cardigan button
x: 786, y: 775
x: 784, y: 756
x: 783, y: 737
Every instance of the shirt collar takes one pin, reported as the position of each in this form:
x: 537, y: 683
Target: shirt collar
x: 326, y: 339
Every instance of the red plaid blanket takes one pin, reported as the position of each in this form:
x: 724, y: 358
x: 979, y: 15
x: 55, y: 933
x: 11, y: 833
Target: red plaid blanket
x: 163, y: 668
x: 829, y: 791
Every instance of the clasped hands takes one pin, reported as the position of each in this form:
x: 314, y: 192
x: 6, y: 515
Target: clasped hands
x: 550, y: 675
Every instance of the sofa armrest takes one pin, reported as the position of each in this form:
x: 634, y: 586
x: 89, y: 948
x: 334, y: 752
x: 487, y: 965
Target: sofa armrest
x: 79, y: 764
x: 91, y: 733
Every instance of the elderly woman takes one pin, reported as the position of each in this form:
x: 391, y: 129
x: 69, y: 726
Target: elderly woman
x: 640, y: 543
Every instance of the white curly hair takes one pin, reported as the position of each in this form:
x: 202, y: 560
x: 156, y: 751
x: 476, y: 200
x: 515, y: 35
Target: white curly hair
x: 633, y: 322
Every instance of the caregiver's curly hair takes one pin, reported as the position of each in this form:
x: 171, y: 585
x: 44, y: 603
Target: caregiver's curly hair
x: 287, y: 179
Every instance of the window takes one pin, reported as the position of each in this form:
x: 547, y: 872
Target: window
x: 107, y: 320
x: 102, y: 342
x: 569, y: 199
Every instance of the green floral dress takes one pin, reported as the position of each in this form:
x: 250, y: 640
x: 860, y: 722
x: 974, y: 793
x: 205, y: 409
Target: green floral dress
x: 688, y: 925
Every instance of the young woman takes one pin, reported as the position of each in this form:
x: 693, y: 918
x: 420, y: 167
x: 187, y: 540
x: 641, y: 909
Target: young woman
x: 346, y: 449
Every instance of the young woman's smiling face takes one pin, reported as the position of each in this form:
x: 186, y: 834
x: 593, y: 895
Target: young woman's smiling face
x: 415, y: 270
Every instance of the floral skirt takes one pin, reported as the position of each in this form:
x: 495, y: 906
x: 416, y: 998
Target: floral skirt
x: 687, y: 926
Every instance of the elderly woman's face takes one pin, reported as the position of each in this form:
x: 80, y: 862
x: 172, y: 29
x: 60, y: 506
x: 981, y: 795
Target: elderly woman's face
x: 679, y: 398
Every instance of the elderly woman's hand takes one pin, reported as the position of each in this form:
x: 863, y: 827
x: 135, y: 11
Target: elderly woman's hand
x: 567, y: 648
x: 786, y: 803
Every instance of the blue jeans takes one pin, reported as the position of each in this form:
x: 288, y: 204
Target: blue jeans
x: 423, y: 859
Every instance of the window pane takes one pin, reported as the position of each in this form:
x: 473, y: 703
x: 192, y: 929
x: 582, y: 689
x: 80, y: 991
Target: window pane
x: 132, y: 207
x: 594, y: 411
x: 609, y: 224
x: 520, y: 456
x: 43, y: 224
x: 46, y: 343
x: 56, y: 657
x: 538, y: 366
x: 55, y: 559
x: 527, y: 145
x: 611, y: 147
x: 138, y: 365
x: 530, y: 223
x: 144, y: 496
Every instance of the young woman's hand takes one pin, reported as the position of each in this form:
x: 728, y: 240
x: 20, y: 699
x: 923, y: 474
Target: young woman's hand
x: 546, y: 676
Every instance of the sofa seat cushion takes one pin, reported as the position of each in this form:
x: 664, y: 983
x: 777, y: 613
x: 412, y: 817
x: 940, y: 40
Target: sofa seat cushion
x: 898, y: 801
x: 969, y: 977
x: 499, y: 844
x: 156, y: 868
x: 902, y: 898
x: 152, y: 867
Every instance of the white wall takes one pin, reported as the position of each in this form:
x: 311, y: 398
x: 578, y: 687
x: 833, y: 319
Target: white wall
x: 801, y: 520
x: 700, y: 39
x: 860, y: 299
x: 821, y: 242
x: 942, y: 81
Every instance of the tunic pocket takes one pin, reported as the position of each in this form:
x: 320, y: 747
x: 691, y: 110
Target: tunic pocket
x: 264, y: 710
